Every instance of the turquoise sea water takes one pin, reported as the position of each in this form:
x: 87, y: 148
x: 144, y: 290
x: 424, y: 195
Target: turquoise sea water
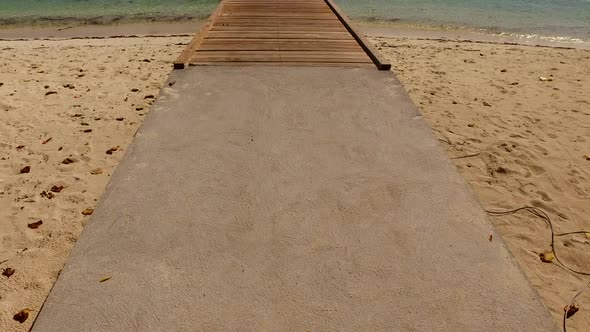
x: 568, y: 19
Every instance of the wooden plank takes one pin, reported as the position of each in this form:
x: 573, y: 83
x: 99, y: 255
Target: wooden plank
x: 262, y: 23
x: 278, y: 28
x: 287, y: 13
x: 279, y: 44
x: 277, y: 47
x: 185, y: 55
x: 377, y: 58
x: 290, y: 64
x: 285, y: 17
x: 334, y: 57
x: 293, y: 63
x: 281, y: 41
x: 331, y: 58
x: 278, y: 35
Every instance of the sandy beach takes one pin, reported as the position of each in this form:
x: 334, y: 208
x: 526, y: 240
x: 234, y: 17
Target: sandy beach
x: 514, y: 119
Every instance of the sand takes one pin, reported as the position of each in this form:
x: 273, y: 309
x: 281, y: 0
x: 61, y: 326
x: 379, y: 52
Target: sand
x: 529, y: 144
x: 93, y: 110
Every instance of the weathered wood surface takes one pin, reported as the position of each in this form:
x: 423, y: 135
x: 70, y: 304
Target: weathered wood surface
x: 292, y: 32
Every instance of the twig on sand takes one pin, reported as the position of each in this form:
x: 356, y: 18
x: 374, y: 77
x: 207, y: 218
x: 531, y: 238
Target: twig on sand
x: 467, y: 156
x: 4, y: 261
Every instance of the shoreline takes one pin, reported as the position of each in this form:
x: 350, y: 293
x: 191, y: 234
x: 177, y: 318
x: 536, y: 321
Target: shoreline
x: 189, y: 28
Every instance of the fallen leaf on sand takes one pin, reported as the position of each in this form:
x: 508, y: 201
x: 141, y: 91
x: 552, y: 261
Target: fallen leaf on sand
x: 547, y: 257
x: 47, y: 140
x: 25, y: 169
x: 22, y: 315
x: 8, y: 272
x: 96, y: 171
x: 491, y: 237
x: 35, y: 225
x: 57, y: 189
x: 88, y: 211
x: 111, y: 150
x: 103, y: 279
x: 570, y: 310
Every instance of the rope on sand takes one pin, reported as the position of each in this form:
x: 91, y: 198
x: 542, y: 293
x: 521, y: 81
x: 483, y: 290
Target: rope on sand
x: 570, y: 309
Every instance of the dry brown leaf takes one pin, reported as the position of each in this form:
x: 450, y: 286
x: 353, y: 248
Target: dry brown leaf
x: 570, y: 310
x: 8, y: 272
x: 25, y: 169
x: 547, y: 257
x: 22, y: 315
x: 88, y: 211
x: 35, y: 225
x: 111, y: 150
x: 103, y: 279
x: 57, y: 189
x: 96, y: 171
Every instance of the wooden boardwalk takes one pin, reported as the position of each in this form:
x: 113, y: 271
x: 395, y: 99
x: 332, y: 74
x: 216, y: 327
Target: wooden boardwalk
x: 279, y: 32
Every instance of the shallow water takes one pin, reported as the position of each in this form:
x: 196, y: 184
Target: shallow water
x: 557, y: 19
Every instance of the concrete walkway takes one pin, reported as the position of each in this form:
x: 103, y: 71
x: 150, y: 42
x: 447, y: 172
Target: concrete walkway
x: 289, y: 199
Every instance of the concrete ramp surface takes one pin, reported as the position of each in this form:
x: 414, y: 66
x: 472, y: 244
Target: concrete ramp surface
x: 289, y: 199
